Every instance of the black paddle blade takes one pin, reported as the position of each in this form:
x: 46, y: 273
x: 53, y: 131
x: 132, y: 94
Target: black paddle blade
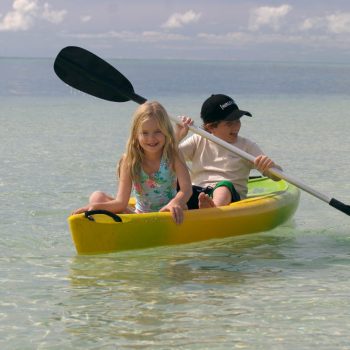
x: 89, y: 73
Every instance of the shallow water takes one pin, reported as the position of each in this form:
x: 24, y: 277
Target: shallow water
x: 283, y: 289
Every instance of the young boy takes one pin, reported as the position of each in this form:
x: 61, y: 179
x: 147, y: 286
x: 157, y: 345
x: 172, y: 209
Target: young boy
x: 218, y: 175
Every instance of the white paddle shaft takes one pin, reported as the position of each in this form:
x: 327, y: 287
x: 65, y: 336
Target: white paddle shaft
x: 274, y: 171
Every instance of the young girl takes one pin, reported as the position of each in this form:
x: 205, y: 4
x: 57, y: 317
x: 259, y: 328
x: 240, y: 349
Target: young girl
x: 151, y: 166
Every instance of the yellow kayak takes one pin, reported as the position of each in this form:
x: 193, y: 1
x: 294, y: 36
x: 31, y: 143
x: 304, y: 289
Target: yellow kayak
x: 268, y: 205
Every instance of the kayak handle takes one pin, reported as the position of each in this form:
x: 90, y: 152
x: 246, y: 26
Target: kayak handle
x: 89, y: 215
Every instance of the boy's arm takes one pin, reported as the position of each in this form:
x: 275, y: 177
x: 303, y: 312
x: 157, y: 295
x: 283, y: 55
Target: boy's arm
x: 181, y: 130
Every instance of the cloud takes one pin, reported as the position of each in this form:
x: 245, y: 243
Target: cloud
x: 25, y: 6
x: 25, y: 12
x: 86, y: 18
x: 242, y: 38
x: 152, y: 36
x: 249, y: 39
x: 128, y: 36
x: 337, y: 23
x: 311, y: 23
x: 227, y: 38
x: 268, y: 17
x: 21, y: 17
x: 178, y: 20
x: 51, y: 15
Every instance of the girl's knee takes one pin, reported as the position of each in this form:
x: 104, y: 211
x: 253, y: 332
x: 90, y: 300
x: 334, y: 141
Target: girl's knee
x: 97, y: 196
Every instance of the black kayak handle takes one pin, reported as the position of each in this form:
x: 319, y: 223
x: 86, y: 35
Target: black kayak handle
x: 89, y: 215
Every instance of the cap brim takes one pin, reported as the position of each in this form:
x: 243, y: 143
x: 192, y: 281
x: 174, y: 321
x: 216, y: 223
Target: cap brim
x: 236, y: 114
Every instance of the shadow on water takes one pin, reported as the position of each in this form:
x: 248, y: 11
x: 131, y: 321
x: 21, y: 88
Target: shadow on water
x: 226, y: 261
x: 142, y: 294
x: 135, y: 298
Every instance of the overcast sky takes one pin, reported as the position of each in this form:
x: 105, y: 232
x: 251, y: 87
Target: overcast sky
x: 302, y: 30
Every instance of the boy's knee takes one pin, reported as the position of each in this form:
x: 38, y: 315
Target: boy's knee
x: 226, y: 191
x: 222, y: 191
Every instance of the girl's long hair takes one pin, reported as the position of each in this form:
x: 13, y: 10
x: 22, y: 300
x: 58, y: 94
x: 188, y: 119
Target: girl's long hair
x: 134, y: 155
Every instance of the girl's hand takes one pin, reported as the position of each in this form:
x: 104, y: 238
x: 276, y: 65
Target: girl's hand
x: 181, y: 129
x: 176, y: 211
x: 82, y: 209
x: 263, y: 163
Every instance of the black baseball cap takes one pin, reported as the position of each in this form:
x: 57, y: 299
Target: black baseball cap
x: 221, y: 107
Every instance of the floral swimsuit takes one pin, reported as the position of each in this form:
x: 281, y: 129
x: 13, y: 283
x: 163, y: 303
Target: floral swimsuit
x: 154, y: 191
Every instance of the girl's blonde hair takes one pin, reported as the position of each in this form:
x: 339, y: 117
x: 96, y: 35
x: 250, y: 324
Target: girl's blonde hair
x: 134, y: 155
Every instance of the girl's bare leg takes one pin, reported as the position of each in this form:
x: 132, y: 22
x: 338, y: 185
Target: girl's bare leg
x: 99, y: 197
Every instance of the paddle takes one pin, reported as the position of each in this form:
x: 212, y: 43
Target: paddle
x: 89, y: 73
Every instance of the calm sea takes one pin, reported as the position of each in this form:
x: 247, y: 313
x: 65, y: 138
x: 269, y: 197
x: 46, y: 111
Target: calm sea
x: 284, y: 289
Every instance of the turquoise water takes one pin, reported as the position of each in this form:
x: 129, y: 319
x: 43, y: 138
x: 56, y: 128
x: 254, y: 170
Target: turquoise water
x: 284, y: 289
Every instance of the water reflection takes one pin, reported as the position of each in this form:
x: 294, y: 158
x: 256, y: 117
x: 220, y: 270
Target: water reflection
x: 232, y: 258
x: 163, y: 294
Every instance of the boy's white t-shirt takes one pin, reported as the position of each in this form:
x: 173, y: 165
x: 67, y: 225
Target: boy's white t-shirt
x: 212, y: 163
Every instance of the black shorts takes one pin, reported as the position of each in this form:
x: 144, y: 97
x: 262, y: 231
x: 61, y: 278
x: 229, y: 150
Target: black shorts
x: 196, y: 190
